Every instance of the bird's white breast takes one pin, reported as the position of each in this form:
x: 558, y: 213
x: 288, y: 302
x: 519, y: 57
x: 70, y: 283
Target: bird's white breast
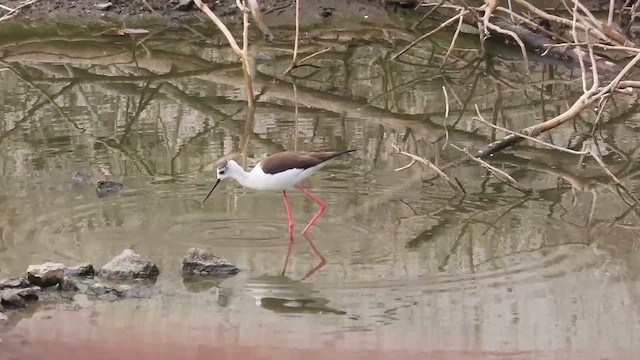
x: 257, y: 179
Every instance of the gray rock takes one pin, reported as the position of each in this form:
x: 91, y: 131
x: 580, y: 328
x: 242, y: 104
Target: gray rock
x: 18, y: 297
x: 99, y: 290
x: 47, y: 274
x: 111, y: 292
x: 80, y: 178
x: 204, y: 262
x: 183, y: 5
x: 110, y: 296
x: 103, y: 6
x: 82, y: 270
x: 13, y: 283
x: 4, y: 320
x: 128, y: 265
x: 105, y: 187
x: 68, y: 284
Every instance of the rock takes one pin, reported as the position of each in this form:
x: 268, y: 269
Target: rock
x: 128, y: 265
x: 47, y: 274
x: 4, y: 320
x: 18, y: 297
x: 99, y: 290
x: 103, y: 6
x: 68, y: 285
x: 80, y: 178
x: 82, y: 270
x: 183, y: 5
x: 204, y: 262
x: 105, y: 187
x: 13, y: 283
x: 111, y: 292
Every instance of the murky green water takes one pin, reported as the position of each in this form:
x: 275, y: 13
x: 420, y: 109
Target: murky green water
x: 410, y: 265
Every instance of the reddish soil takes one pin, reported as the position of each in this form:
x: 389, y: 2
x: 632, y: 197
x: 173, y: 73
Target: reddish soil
x: 128, y: 349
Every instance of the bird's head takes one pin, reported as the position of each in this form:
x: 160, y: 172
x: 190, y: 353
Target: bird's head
x: 226, y: 169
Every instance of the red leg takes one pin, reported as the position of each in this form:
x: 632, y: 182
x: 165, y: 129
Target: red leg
x: 323, y: 207
x: 286, y: 260
x: 315, y: 250
x: 289, y: 214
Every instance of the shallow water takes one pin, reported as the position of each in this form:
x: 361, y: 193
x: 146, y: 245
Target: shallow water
x: 412, y: 268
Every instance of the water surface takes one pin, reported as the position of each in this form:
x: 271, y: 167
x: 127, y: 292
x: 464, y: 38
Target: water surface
x: 412, y: 268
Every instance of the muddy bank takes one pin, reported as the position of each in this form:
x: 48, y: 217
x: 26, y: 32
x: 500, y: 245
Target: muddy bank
x: 275, y: 11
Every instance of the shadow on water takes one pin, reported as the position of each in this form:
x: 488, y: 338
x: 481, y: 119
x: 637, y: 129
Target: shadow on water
x: 408, y: 260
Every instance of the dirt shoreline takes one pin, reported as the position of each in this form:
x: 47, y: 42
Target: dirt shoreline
x: 276, y: 12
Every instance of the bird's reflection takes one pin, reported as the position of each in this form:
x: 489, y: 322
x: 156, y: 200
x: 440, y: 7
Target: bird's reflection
x: 313, y: 248
x: 281, y: 294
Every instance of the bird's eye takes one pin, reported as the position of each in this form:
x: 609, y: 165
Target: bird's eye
x: 222, y: 172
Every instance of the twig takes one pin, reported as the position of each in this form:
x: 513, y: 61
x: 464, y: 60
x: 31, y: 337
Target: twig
x: 515, y: 36
x: 313, y: 55
x: 442, y: 26
x: 297, y: 40
x: 257, y: 16
x: 406, y: 166
x: 425, y: 16
x: 499, y: 174
x: 612, y: 6
x: 15, y: 11
x: 453, y: 40
x: 488, y: 10
x: 242, y: 53
x: 453, y: 185
x: 446, y: 116
x: 579, y: 51
x: 613, y: 177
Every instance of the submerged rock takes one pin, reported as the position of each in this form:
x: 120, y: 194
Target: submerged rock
x: 128, y: 265
x: 80, y: 178
x: 82, y: 270
x: 18, y: 297
x: 204, y: 262
x: 47, y: 274
x: 112, y: 292
x: 103, y: 291
x: 105, y: 187
x: 13, y: 283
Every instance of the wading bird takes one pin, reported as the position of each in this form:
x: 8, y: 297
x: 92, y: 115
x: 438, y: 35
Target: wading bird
x: 281, y: 172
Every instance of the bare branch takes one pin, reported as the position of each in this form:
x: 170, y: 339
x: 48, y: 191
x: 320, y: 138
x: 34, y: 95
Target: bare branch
x: 453, y: 185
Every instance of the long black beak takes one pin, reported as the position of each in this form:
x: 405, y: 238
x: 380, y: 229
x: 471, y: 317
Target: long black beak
x: 214, y: 186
